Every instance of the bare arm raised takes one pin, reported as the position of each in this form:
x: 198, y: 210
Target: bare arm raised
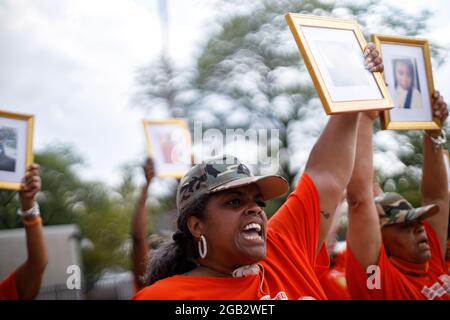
x: 330, y: 163
x: 29, y: 275
x: 434, y: 180
x: 139, y: 229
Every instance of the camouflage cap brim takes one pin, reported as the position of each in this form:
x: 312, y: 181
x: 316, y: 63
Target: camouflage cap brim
x: 271, y: 186
x: 402, y: 216
x: 425, y: 212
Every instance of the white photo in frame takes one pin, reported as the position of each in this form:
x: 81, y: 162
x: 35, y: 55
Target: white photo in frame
x: 341, y: 64
x: 332, y: 50
x: 16, y: 134
x: 169, y: 144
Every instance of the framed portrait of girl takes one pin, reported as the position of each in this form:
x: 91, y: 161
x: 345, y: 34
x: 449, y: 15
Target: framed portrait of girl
x: 409, y: 78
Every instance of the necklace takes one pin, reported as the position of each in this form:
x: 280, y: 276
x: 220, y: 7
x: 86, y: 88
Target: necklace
x: 237, y: 273
x: 214, y: 272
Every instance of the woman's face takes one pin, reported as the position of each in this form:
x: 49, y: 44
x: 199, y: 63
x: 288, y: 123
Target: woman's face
x: 407, y: 241
x: 403, y: 76
x: 235, y: 227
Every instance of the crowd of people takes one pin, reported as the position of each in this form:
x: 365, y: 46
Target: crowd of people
x: 225, y: 247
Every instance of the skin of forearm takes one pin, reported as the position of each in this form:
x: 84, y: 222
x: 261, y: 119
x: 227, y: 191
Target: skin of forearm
x: 29, y: 275
x: 36, y: 248
x: 330, y: 165
x: 331, y: 160
x: 435, y: 190
x: 140, y: 217
x: 334, y: 152
x: 434, y: 180
x: 140, y: 246
x: 364, y: 235
x: 359, y: 188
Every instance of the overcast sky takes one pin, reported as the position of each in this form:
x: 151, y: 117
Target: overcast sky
x: 72, y: 64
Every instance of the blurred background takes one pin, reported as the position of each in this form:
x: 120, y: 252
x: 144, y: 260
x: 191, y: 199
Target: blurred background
x: 90, y: 71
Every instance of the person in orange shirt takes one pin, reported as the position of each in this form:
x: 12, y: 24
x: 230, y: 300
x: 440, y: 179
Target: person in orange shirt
x: 25, y: 282
x: 225, y: 247
x: 394, y: 250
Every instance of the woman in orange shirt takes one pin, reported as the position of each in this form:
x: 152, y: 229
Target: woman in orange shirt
x: 396, y: 251
x: 225, y: 247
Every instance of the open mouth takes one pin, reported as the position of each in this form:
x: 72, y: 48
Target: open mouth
x: 253, y: 231
x: 424, y: 244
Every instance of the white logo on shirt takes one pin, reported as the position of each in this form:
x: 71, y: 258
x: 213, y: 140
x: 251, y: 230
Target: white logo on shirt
x: 437, y: 289
x: 283, y: 296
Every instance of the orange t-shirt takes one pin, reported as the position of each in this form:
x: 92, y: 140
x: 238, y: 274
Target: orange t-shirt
x: 8, y: 289
x: 333, y: 282
x: 290, y: 268
x: 394, y: 283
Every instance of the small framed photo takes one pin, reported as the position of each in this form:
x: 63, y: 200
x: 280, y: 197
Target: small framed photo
x: 333, y: 53
x: 408, y: 75
x: 447, y: 166
x: 16, y: 148
x: 169, y: 144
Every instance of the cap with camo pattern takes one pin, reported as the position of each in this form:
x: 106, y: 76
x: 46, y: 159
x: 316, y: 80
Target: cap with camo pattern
x: 221, y: 173
x: 393, y: 208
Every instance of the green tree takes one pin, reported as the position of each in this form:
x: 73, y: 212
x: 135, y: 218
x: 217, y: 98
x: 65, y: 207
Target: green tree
x: 249, y: 74
x: 102, y: 213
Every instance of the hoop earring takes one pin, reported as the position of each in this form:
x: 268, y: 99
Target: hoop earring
x: 202, y: 243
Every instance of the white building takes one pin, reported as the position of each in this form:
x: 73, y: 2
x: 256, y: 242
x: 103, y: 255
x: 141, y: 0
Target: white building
x: 63, y: 251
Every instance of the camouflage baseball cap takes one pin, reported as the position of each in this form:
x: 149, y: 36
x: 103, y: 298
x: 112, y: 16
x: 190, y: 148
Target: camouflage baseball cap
x: 221, y: 173
x: 393, y: 208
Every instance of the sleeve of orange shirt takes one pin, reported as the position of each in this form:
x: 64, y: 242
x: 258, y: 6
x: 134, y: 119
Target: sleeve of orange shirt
x: 299, y: 218
x: 8, y: 289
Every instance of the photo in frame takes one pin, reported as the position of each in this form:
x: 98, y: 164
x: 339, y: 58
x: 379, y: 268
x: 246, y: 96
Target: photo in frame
x: 409, y: 77
x: 332, y: 50
x: 169, y: 144
x: 16, y: 148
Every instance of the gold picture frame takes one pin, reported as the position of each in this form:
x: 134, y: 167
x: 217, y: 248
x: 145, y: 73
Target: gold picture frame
x: 16, y: 148
x: 164, y: 138
x: 395, y: 49
x: 342, y: 86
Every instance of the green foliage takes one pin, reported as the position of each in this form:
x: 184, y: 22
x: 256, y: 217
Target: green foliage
x: 249, y: 74
x: 102, y: 214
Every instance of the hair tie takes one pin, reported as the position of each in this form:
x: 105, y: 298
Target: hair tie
x: 178, y: 236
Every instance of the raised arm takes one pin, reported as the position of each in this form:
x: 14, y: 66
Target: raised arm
x: 330, y: 163
x: 364, y: 234
x: 434, y: 180
x: 139, y: 229
x: 29, y: 275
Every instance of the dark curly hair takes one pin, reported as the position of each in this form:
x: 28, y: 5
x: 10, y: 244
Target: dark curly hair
x: 177, y: 255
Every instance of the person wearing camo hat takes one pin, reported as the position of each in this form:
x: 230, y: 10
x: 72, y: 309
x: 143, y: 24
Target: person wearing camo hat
x: 396, y: 251
x: 226, y: 247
